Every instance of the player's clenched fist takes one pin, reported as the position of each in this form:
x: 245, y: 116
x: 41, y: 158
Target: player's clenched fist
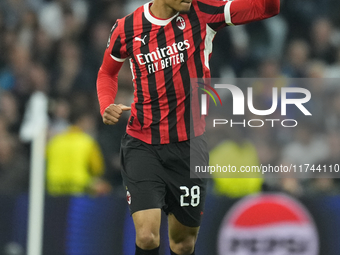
x: 113, y: 112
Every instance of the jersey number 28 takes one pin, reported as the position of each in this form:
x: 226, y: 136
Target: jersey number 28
x: 194, y: 192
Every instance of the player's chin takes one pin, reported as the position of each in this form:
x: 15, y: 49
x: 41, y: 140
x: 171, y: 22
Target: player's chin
x: 185, y: 7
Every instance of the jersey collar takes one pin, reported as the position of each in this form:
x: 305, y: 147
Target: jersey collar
x: 155, y: 21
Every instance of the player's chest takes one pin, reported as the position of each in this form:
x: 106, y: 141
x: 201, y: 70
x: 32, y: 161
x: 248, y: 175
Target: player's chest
x: 174, y: 42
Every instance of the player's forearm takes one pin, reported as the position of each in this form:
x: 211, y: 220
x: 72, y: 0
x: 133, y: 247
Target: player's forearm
x: 107, y: 87
x: 107, y: 81
x: 245, y: 11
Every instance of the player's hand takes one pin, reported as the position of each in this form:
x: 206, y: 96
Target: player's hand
x: 113, y: 112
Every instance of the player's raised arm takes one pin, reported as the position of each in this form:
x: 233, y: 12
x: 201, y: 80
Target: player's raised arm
x: 244, y: 11
x: 218, y: 14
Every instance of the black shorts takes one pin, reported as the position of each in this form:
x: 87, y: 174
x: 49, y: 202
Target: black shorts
x: 158, y: 176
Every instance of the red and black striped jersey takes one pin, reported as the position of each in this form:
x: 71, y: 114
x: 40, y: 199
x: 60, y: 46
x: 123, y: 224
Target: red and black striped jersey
x: 164, y: 55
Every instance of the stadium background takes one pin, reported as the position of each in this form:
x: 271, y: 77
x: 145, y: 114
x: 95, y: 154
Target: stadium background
x: 56, y: 47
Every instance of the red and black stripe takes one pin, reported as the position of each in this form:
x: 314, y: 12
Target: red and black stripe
x: 153, y: 113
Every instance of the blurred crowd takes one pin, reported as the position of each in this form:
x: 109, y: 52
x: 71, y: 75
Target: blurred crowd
x: 56, y: 47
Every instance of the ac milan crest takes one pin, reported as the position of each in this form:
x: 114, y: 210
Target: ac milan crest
x: 180, y: 22
x: 128, y: 197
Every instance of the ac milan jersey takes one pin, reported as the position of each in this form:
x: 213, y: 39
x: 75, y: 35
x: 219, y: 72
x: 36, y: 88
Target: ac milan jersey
x: 164, y: 55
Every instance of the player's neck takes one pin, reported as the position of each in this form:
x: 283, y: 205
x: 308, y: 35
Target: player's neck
x: 162, y: 11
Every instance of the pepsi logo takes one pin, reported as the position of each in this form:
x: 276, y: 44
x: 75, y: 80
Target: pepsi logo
x: 271, y: 224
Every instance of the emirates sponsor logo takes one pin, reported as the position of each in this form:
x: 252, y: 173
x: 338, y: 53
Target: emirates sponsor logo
x: 162, y: 58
